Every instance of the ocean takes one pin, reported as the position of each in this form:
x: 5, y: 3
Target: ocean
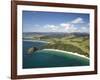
x: 44, y: 58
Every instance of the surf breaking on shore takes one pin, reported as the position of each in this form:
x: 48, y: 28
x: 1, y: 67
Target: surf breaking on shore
x: 67, y: 52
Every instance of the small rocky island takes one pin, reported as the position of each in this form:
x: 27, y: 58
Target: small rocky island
x: 32, y: 49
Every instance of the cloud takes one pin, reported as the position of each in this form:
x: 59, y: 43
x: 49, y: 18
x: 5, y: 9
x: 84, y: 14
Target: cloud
x: 72, y: 29
x: 52, y: 27
x: 61, y: 28
x: 84, y: 29
x: 77, y: 21
x: 71, y: 26
x: 65, y: 25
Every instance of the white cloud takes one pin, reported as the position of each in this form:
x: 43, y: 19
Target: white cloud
x: 65, y: 25
x: 77, y: 21
x: 72, y: 26
x: 52, y: 27
x: 72, y: 29
x: 68, y: 27
x: 84, y: 29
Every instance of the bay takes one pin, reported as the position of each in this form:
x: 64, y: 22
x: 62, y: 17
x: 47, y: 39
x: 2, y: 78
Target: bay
x: 44, y: 58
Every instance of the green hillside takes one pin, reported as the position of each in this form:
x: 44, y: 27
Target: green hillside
x: 68, y: 43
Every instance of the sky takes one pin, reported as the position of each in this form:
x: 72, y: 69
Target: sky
x: 39, y: 21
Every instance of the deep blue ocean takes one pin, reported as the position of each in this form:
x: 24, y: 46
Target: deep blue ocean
x: 47, y: 58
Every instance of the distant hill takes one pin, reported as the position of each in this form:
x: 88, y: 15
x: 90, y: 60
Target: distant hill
x: 76, y: 34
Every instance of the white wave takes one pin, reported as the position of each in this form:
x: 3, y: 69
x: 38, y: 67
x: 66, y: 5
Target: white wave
x: 67, y: 52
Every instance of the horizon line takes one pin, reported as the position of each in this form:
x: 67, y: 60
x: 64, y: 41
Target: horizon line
x: 55, y: 32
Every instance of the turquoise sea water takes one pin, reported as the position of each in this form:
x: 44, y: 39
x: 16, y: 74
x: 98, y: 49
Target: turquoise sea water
x: 49, y: 58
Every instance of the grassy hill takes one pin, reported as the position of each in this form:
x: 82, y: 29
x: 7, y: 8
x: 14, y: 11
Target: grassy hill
x: 72, y: 44
x: 77, y: 43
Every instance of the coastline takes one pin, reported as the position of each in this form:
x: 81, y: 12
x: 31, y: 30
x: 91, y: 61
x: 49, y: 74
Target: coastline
x: 36, y: 41
x: 57, y: 49
x: 68, y: 53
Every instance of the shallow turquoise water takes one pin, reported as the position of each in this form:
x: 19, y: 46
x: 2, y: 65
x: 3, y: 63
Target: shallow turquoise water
x: 50, y: 58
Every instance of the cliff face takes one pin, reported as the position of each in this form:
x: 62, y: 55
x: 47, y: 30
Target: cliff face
x: 32, y: 49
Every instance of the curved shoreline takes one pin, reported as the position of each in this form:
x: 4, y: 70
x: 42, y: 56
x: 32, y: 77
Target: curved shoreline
x: 68, y: 53
x: 57, y: 49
